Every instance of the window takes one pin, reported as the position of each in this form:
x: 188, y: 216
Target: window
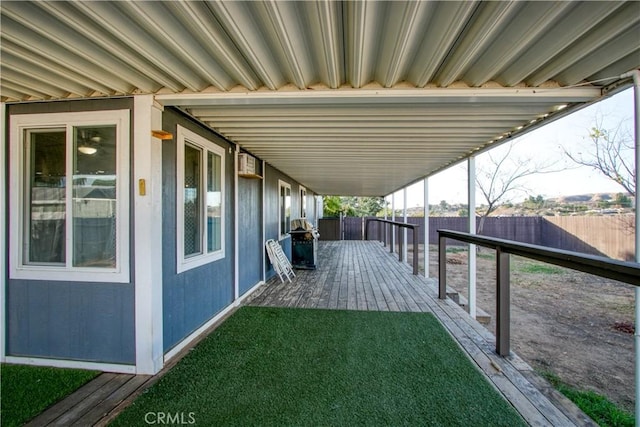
x: 303, y: 202
x: 200, y: 196
x: 284, y: 208
x: 70, y: 207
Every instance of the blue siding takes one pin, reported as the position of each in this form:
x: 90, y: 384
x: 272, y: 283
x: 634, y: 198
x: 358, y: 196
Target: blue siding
x: 78, y: 321
x: 272, y: 227
x: 249, y: 232
x: 195, y: 296
x: 71, y: 320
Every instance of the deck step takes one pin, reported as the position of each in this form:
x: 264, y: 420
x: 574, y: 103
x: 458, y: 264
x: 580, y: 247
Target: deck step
x: 481, y: 316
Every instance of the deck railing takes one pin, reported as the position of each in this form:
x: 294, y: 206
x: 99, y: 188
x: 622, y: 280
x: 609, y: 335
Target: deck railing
x: 384, y: 236
x: 628, y: 272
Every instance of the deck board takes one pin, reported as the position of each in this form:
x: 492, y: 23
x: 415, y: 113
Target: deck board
x: 359, y: 276
x: 362, y: 275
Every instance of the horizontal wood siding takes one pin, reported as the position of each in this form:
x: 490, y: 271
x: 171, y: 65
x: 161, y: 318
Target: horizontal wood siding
x: 72, y: 320
x: 195, y: 296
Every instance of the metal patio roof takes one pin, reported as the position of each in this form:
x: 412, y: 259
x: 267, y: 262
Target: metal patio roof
x: 348, y: 98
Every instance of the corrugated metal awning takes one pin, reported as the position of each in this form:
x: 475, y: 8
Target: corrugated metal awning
x: 356, y: 98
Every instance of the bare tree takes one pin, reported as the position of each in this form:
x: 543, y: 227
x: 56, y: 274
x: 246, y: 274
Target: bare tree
x: 610, y: 152
x: 503, y: 175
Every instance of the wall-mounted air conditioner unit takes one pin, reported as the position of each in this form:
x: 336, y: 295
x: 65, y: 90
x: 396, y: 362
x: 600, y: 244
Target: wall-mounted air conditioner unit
x: 246, y: 164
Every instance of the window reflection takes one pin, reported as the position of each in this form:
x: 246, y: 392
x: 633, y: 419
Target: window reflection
x: 192, y: 210
x: 214, y: 203
x: 47, y: 210
x: 94, y: 196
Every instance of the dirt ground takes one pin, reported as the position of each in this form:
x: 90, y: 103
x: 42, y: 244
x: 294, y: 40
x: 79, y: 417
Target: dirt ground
x: 575, y: 325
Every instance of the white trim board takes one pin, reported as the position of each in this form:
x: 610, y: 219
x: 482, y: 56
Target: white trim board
x: 75, y: 364
x: 4, y: 274
x: 147, y: 167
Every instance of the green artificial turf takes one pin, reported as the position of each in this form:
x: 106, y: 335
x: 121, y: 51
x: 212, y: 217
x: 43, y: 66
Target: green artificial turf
x: 596, y: 406
x: 25, y: 391
x: 273, y: 366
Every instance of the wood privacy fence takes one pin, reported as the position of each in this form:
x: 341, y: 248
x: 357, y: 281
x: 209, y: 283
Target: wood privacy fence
x: 611, y: 236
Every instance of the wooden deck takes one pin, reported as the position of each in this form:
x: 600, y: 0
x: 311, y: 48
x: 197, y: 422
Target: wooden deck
x: 352, y: 275
x: 93, y: 403
x: 363, y: 275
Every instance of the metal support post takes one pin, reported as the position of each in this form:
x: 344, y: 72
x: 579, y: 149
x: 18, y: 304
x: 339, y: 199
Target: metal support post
x: 405, y: 241
x: 426, y: 228
x: 393, y: 218
x: 471, y: 291
x: 635, y: 74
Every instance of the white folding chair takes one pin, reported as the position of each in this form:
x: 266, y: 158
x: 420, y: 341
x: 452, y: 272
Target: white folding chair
x: 279, y: 260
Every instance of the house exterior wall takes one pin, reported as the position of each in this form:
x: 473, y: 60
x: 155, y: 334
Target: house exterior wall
x: 72, y: 320
x: 250, y: 232
x: 98, y: 325
x: 193, y: 297
x: 91, y: 322
x: 272, y: 192
x: 272, y: 178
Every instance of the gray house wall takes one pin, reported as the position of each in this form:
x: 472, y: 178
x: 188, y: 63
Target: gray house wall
x: 272, y: 227
x: 71, y: 320
x: 250, y: 231
x: 272, y: 190
x: 192, y: 297
x: 94, y: 321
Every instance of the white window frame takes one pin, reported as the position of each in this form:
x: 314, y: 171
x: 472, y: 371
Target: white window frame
x: 185, y: 136
x: 18, y: 125
x: 283, y: 184
x: 302, y: 191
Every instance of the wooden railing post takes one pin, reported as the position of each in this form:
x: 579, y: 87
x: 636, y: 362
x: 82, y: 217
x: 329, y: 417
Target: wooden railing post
x: 503, y: 303
x: 391, y: 238
x: 623, y: 271
x: 386, y: 232
x: 400, y: 244
x: 442, y: 267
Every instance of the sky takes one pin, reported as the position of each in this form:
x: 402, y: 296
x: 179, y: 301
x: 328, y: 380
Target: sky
x: 540, y: 146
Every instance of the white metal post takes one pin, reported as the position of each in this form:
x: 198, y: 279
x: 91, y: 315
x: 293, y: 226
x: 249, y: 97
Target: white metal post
x: 264, y: 221
x: 386, y: 211
x: 3, y: 237
x: 236, y: 228
x: 636, y: 96
x: 426, y: 228
x: 404, y: 230
x: 471, y: 171
x: 393, y: 218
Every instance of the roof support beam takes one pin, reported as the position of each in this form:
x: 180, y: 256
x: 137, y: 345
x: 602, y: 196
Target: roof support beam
x: 424, y: 96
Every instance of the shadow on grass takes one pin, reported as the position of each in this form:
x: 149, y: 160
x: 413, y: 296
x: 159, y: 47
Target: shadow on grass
x: 273, y: 366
